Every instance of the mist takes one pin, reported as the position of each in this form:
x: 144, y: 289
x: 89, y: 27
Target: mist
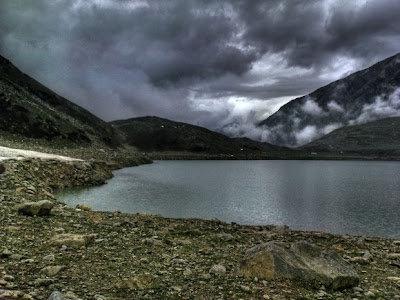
x: 225, y: 65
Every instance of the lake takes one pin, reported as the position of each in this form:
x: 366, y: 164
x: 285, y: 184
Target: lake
x: 344, y: 197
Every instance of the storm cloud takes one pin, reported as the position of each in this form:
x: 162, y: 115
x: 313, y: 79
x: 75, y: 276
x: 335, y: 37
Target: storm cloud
x: 221, y: 64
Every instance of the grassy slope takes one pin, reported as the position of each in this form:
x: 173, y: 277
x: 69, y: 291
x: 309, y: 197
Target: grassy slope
x: 380, y: 138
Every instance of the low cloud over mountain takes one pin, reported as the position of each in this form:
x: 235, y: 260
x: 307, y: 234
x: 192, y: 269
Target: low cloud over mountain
x: 225, y: 65
x: 362, y: 97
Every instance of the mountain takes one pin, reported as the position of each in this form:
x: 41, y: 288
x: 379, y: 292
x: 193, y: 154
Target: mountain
x: 157, y: 134
x: 30, y: 110
x: 378, y: 138
x: 367, y: 95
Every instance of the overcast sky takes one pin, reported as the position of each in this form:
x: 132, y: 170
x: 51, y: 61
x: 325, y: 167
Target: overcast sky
x: 221, y: 64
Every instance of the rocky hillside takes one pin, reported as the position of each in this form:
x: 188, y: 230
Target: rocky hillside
x: 157, y: 134
x: 364, y: 96
x: 30, y: 110
x: 380, y: 137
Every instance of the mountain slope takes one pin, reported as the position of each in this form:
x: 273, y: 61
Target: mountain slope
x: 30, y: 110
x: 380, y: 137
x: 367, y: 95
x: 157, y: 134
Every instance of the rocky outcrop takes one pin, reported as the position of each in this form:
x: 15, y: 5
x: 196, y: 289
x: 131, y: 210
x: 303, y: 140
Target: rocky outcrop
x: 302, y: 261
x: 35, y: 179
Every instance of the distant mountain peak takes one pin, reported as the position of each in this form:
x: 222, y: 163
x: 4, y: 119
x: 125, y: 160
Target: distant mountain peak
x: 366, y: 95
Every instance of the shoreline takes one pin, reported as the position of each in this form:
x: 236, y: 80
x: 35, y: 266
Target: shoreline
x: 138, y: 256
x: 279, y: 155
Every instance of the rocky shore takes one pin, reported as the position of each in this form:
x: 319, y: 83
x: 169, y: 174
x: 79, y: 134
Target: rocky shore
x: 51, y: 251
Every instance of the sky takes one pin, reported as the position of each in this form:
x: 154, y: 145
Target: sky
x: 224, y: 65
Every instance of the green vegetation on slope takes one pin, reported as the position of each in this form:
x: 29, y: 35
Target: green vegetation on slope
x: 381, y: 138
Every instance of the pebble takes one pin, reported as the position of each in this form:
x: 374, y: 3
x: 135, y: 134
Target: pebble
x: 50, y: 257
x: 152, y: 242
x: 5, y: 254
x: 187, y: 272
x: 370, y: 294
x: 322, y: 294
x: 392, y: 278
x: 52, y: 270
x: 14, y: 295
x: 176, y: 288
x: 245, y: 288
x: 217, y: 270
x: 184, y: 242
x: 43, y: 282
x: 224, y: 236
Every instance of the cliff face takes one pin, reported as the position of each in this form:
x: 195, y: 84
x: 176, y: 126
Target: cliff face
x: 367, y: 95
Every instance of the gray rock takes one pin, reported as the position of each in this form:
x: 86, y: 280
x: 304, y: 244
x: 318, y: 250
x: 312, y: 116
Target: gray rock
x: 60, y: 296
x: 14, y: 295
x: 43, y: 282
x: 72, y: 240
x: 303, y: 261
x: 152, y: 242
x: 50, y: 257
x: 394, y: 256
x: 57, y: 296
x: 40, y: 208
x: 217, y: 270
x: 224, y: 237
x: 139, y: 282
x: 6, y: 253
x: 52, y: 270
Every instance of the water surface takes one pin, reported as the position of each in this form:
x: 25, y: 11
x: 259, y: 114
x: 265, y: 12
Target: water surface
x: 351, y: 197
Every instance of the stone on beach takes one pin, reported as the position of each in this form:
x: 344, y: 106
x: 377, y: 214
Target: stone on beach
x: 39, y: 208
x: 72, y: 240
x: 302, y: 261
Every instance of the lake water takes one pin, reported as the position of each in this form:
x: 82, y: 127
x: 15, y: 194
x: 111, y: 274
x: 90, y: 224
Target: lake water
x: 352, y: 197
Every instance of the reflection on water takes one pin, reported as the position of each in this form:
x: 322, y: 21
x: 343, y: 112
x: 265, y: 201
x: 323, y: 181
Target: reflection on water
x: 333, y: 196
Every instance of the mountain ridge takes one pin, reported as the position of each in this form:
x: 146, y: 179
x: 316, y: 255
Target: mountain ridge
x: 347, y: 101
x: 31, y: 110
x: 151, y: 133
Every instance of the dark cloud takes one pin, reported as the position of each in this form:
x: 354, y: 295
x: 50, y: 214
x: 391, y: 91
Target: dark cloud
x: 218, y: 63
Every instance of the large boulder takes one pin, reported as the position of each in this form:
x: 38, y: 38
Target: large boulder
x: 39, y: 208
x: 299, y: 261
